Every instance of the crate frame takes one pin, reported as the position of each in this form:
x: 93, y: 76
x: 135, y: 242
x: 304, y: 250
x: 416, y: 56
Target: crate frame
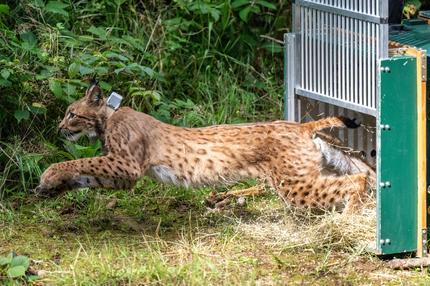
x: 312, y: 46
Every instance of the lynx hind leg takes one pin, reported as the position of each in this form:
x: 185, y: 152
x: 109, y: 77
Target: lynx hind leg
x: 356, y: 194
x: 324, y: 192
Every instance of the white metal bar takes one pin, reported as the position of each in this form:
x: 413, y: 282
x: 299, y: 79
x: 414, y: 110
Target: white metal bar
x: 324, y: 66
x: 360, y: 63
x: 331, y: 28
x: 327, y: 53
x: 314, y: 48
x: 348, y: 9
x: 302, y: 45
x: 373, y: 69
x: 369, y: 67
x: 290, y: 41
x: 306, y: 48
x: 356, y: 67
x: 335, y: 101
x: 318, y: 49
x: 347, y: 62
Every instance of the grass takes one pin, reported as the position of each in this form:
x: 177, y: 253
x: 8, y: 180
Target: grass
x: 159, y: 235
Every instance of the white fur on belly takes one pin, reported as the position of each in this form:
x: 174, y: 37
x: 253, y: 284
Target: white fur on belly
x: 167, y: 175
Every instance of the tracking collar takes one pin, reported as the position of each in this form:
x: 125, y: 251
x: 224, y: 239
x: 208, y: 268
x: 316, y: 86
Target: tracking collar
x: 114, y: 101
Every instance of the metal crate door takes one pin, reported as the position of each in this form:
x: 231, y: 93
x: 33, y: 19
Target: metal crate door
x: 397, y: 198
x: 333, y: 53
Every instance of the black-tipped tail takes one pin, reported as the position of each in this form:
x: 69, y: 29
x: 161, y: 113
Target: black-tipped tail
x: 350, y: 123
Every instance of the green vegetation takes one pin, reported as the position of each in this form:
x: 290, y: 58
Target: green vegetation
x: 14, y: 267
x: 190, y: 63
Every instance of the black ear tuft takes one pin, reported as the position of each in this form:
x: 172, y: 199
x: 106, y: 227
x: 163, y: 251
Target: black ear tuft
x: 350, y: 123
x: 94, y: 92
x: 94, y: 81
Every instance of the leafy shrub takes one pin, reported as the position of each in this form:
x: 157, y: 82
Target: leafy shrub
x: 13, y: 270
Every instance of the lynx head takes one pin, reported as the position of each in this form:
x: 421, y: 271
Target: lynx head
x: 85, y: 116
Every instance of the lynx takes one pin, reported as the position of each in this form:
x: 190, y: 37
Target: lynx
x: 285, y: 155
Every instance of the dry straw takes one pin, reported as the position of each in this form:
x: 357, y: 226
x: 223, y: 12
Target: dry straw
x: 291, y: 228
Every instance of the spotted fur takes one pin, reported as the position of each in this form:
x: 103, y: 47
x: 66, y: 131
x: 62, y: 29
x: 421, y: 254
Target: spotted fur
x: 281, y: 153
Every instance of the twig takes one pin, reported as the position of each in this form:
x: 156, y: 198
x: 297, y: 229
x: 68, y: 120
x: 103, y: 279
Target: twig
x: 409, y: 263
x: 272, y: 39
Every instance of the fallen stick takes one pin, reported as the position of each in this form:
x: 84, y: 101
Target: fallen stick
x: 220, y: 200
x: 409, y: 263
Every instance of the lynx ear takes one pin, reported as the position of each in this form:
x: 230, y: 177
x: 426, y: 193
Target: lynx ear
x: 94, y: 93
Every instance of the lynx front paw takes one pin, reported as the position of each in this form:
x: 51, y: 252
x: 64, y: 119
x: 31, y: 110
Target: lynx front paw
x: 41, y: 191
x: 53, y: 180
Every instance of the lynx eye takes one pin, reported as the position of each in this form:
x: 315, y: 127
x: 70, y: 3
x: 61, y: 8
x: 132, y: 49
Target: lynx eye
x: 71, y: 115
